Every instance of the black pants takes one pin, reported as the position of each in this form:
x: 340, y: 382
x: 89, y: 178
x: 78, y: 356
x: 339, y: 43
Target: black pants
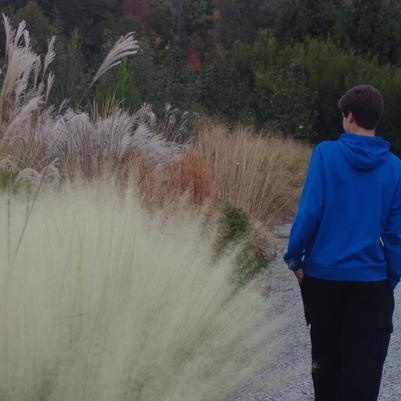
x: 350, y: 329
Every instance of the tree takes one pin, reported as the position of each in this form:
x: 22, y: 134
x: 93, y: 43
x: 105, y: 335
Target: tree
x: 179, y: 15
x: 161, y: 19
x: 38, y: 24
x: 70, y: 69
x: 241, y: 20
x: 300, y: 19
x: 376, y: 29
x: 197, y: 17
x: 93, y: 18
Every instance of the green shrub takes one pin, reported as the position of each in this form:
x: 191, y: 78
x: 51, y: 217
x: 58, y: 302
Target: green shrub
x: 236, y: 230
x: 283, y: 102
x: 235, y: 223
x: 295, y: 89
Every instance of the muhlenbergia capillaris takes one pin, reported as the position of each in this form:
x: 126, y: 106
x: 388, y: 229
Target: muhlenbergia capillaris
x: 105, y: 302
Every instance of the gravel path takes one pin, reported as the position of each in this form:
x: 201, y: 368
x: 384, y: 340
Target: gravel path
x: 295, y: 359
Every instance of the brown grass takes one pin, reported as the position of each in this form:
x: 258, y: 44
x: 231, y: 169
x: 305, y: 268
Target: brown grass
x: 258, y: 171
x: 163, y: 185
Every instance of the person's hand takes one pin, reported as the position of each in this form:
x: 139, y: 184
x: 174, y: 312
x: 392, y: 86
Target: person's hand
x: 299, y: 274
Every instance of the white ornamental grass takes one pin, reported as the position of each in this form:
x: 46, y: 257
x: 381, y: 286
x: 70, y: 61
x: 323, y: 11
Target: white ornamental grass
x: 36, y: 135
x: 94, y: 145
x: 102, y: 302
x: 22, y: 85
x: 126, y: 46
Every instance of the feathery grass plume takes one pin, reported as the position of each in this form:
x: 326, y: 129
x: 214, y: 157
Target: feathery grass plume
x: 21, y: 83
x: 258, y: 171
x: 125, y: 46
x: 49, y: 174
x: 96, y: 144
x: 24, y: 93
x: 104, y: 303
x: 50, y: 56
x: 81, y: 143
x: 156, y: 148
x: 20, y: 61
x: 146, y: 116
x: 91, y: 145
x: 8, y: 166
x: 22, y: 121
x: 177, y: 125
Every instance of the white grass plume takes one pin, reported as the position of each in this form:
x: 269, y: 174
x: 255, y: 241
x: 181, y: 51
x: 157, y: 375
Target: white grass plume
x: 21, y: 81
x: 125, y: 46
x: 94, y: 145
x: 104, y: 303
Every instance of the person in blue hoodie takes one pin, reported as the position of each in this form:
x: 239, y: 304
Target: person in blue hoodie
x: 345, y: 250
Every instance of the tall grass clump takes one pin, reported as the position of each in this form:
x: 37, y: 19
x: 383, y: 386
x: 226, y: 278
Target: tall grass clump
x: 259, y: 172
x: 34, y: 135
x: 100, y: 301
x: 163, y: 184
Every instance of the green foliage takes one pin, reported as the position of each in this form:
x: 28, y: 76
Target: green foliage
x: 94, y: 19
x: 258, y: 83
x: 331, y: 71
x: 198, y: 16
x: 153, y: 76
x: 235, y: 224
x: 296, y: 88
x: 161, y: 18
x: 128, y: 23
x: 37, y: 24
x: 235, y: 229
x: 369, y: 27
x: 376, y: 29
x: 283, y: 101
x: 226, y: 87
x: 70, y: 68
x: 250, y: 262
x: 326, y: 68
x: 119, y: 85
x: 300, y: 19
x: 241, y: 20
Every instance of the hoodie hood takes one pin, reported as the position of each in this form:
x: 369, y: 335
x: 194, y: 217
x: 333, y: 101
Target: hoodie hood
x: 364, y: 152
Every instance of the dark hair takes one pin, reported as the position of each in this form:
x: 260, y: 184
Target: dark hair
x: 366, y: 104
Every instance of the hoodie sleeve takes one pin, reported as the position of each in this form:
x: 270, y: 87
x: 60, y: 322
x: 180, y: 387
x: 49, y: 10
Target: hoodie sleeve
x: 309, y: 213
x: 392, y: 239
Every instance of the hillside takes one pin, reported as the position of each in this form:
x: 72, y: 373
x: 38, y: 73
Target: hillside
x: 281, y: 65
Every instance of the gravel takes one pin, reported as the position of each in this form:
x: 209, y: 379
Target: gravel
x: 293, y: 363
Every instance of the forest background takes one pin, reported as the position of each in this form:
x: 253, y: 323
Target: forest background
x: 280, y: 65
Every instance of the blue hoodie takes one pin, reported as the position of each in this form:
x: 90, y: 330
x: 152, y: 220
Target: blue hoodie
x: 348, y: 223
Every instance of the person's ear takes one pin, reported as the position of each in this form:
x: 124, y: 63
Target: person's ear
x: 350, y: 117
